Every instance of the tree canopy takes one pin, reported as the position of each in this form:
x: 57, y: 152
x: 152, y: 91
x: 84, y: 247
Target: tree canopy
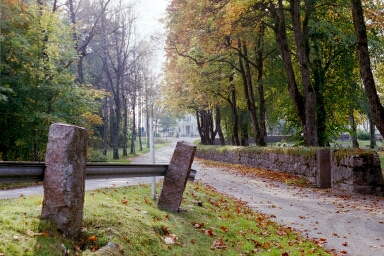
x: 282, y: 60
x: 246, y: 69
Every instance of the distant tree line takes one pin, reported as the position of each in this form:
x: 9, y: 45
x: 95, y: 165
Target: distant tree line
x: 75, y: 61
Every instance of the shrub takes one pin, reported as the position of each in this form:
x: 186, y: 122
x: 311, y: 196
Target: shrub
x: 362, y: 135
x: 95, y: 156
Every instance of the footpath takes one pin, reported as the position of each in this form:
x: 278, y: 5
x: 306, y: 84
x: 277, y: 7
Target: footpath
x: 344, y: 224
x: 350, y: 224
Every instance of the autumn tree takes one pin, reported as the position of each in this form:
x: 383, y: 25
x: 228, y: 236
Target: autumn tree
x: 215, y: 48
x: 375, y: 105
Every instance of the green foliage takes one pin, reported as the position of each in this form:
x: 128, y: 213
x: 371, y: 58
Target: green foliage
x: 36, y: 86
x: 362, y: 135
x: 96, y: 156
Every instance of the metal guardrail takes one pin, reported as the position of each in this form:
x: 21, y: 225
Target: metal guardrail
x: 34, y: 171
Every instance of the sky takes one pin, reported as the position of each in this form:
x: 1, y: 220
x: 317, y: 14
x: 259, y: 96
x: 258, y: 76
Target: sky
x: 149, y: 13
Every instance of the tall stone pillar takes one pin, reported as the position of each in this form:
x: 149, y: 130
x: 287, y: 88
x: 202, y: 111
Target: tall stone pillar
x: 324, y: 168
x: 176, y: 177
x: 64, y: 177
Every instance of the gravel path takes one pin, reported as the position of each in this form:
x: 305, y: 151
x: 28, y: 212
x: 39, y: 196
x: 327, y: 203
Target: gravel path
x: 346, y: 224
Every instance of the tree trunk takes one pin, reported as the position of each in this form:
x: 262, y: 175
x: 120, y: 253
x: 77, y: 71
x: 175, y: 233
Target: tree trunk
x: 147, y: 127
x: 301, y: 34
x: 117, y: 119
x: 245, y: 71
x: 377, y: 110
x: 111, y: 122
x: 105, y: 125
x: 260, y: 87
x: 125, y: 126
x: 355, y: 143
x: 218, y: 125
x: 321, y: 114
x: 139, y: 126
x: 205, y: 126
x: 133, y: 137
x: 244, y: 136
x: 372, y: 132
x: 235, y: 118
x: 115, y: 135
x: 282, y: 42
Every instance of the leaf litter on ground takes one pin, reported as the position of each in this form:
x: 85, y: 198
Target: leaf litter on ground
x: 212, y: 223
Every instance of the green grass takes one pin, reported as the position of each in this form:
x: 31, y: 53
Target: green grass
x: 15, y: 185
x: 95, y: 155
x: 212, y: 224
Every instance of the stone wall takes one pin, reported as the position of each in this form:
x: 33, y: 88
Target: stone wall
x: 356, y: 172
x: 349, y: 170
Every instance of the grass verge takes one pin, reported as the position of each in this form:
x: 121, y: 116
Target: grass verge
x: 15, y: 185
x: 212, y: 224
x: 158, y: 143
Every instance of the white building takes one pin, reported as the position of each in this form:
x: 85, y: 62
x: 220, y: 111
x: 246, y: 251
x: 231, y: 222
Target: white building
x: 187, y: 126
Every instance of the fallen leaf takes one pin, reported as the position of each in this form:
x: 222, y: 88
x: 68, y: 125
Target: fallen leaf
x: 30, y: 233
x: 266, y: 245
x: 225, y: 229
x: 170, y: 239
x: 218, y: 244
x: 211, y: 233
x: 123, y: 201
x: 94, y: 248
x: 255, y: 242
x: 197, y: 225
x: 92, y: 238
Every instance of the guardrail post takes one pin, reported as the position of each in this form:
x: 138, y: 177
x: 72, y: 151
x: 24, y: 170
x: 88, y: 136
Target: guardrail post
x: 64, y: 178
x: 176, y: 177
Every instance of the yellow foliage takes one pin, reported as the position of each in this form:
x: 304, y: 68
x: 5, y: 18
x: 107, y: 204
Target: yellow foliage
x: 92, y: 119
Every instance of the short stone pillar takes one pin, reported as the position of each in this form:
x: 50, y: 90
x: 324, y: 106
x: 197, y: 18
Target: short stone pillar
x: 64, y: 178
x: 176, y: 177
x: 324, y: 168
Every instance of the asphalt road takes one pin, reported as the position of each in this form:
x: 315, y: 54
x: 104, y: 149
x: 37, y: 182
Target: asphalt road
x: 346, y: 224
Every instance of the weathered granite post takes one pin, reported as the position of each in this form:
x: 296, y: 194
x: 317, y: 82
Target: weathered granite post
x: 64, y: 177
x: 176, y: 177
x: 324, y: 168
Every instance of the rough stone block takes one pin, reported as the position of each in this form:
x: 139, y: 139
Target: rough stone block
x: 64, y: 177
x: 176, y: 177
x: 324, y: 168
